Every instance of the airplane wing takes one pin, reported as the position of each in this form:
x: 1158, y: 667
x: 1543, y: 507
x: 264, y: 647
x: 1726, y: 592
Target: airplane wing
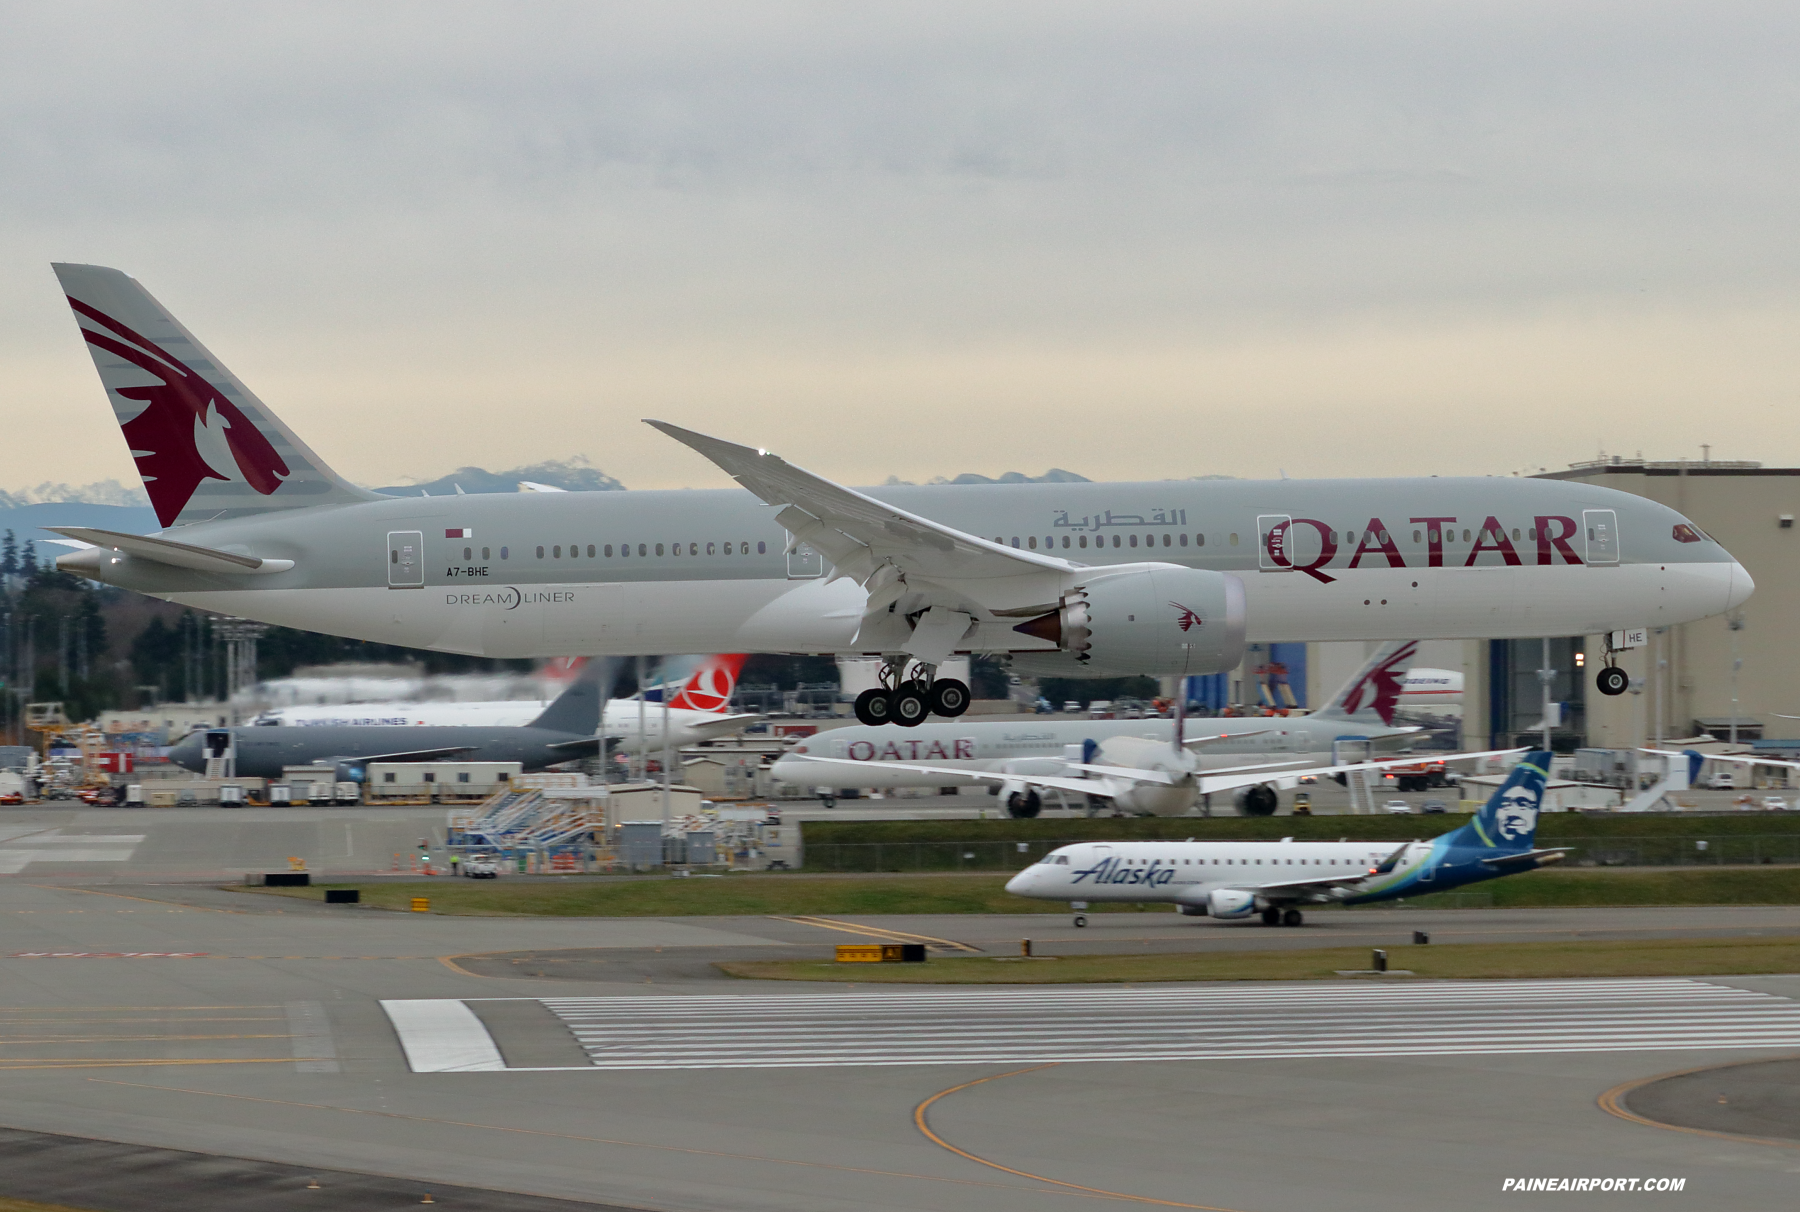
x: 579, y: 746
x: 408, y: 755
x: 725, y: 723
x: 911, y: 563
x: 1210, y: 784
x: 1741, y: 759
x: 1078, y: 786
x: 161, y: 551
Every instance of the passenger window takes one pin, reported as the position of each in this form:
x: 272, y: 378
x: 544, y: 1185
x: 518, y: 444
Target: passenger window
x: 1434, y: 536
x: 643, y: 549
x: 659, y: 549
x: 485, y: 555
x: 1031, y: 542
x: 608, y: 550
x: 503, y: 553
x: 1531, y: 533
x: 709, y: 548
x: 590, y: 551
x: 540, y: 553
x: 1384, y: 538
x: 1199, y: 540
x: 1082, y: 541
x: 1184, y: 540
x: 760, y: 546
x: 1234, y: 540
x: 1515, y: 532
x: 1015, y: 541
x: 1167, y: 542
x: 555, y: 552
x: 1465, y: 535
x: 468, y: 553
x: 1119, y: 542
x: 1065, y: 542
x: 1415, y: 536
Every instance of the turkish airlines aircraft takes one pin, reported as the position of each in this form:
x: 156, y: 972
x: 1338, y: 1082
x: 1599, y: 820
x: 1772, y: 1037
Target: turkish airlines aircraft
x: 970, y: 751
x: 700, y: 712
x: 1071, y: 579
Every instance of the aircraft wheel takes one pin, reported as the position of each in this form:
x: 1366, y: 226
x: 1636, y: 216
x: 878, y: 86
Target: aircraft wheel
x: 1271, y: 917
x: 1293, y: 917
x: 949, y: 698
x: 1612, y: 680
x: 907, y: 706
x: 872, y: 707
x: 1081, y: 920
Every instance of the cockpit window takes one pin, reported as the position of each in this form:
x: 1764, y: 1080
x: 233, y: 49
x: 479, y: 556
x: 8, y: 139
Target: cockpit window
x: 1686, y: 532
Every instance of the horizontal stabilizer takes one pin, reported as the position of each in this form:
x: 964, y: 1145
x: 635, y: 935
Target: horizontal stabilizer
x: 1528, y: 858
x: 160, y: 551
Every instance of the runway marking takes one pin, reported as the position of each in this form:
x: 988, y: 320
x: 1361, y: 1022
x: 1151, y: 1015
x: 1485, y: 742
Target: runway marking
x: 107, y: 955
x: 598, y: 1140
x: 124, y: 896
x: 882, y: 933
x: 314, y: 1051
x: 90, y: 1062
x: 9, y: 1041
x: 1613, y: 1103
x: 442, y: 1036
x: 914, y: 1027
x: 923, y: 1124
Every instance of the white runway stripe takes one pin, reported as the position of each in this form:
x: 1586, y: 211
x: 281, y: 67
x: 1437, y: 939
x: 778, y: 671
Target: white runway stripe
x: 442, y: 1036
x: 931, y: 1027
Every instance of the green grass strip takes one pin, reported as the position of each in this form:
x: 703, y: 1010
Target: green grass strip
x: 788, y: 895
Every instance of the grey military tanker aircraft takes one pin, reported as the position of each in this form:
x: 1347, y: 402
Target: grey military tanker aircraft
x: 564, y: 732
x: 1065, y: 579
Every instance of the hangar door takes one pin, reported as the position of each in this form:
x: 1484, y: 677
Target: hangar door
x: 406, y: 559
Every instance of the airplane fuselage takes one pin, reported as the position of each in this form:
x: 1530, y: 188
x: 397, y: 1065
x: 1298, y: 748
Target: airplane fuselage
x: 549, y: 574
x: 262, y: 751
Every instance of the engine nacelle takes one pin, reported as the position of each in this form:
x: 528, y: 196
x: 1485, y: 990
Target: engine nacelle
x: 1229, y: 903
x: 1259, y: 800
x: 1151, y: 619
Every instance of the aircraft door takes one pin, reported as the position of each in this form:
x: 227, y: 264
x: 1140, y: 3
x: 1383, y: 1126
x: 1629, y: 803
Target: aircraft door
x: 1602, y: 527
x: 804, y: 563
x: 1273, y: 533
x: 406, y: 559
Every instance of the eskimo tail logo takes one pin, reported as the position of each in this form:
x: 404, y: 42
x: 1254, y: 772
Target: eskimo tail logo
x: 1380, y: 687
x: 1516, y: 818
x: 183, y: 412
x: 711, y: 686
x: 1185, y: 618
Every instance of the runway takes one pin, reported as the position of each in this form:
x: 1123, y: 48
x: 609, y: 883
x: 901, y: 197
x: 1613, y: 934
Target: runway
x: 1079, y: 1025
x: 254, y: 1027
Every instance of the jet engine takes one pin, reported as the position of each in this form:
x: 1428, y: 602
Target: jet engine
x: 1151, y: 619
x: 1231, y: 903
x: 1259, y: 800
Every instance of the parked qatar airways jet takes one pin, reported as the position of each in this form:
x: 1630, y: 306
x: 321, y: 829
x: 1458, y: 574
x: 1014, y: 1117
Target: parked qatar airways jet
x: 1097, y: 579
x: 700, y: 712
x: 969, y: 751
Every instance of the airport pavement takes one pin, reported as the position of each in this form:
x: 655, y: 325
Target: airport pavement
x: 276, y: 1045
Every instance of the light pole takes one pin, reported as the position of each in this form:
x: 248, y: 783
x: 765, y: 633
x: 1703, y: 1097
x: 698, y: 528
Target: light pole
x: 1546, y: 677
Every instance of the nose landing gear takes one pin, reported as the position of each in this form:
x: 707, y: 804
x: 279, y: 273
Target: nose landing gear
x: 1612, y: 680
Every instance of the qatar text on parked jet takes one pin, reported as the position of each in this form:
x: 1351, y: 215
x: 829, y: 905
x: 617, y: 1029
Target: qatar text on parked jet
x: 1239, y: 879
x: 701, y: 711
x: 1098, y: 579
x: 1362, y: 709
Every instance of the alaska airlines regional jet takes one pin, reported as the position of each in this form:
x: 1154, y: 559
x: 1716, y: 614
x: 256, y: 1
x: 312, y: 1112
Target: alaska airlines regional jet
x: 1232, y: 880
x: 1069, y: 579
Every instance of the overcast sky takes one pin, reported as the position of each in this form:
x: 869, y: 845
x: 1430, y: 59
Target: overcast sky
x: 1134, y: 240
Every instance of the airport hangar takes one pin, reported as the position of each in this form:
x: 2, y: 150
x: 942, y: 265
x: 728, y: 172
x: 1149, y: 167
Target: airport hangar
x: 1747, y: 507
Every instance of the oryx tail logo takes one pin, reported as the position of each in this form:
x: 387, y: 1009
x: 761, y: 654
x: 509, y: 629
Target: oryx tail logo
x: 1378, y: 689
x: 711, y: 686
x: 188, y: 431
x: 1185, y: 618
x: 1112, y: 870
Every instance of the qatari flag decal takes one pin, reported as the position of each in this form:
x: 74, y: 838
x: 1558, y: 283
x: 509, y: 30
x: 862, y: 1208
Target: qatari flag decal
x: 464, y: 533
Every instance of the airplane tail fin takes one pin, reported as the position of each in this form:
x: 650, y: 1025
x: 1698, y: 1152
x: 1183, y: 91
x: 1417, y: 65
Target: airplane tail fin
x: 1508, y: 821
x: 205, y: 446
x: 1372, y: 694
x: 578, y: 708
x: 711, y: 686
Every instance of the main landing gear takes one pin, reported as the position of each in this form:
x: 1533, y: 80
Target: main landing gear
x: 1283, y: 917
x: 906, y: 701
